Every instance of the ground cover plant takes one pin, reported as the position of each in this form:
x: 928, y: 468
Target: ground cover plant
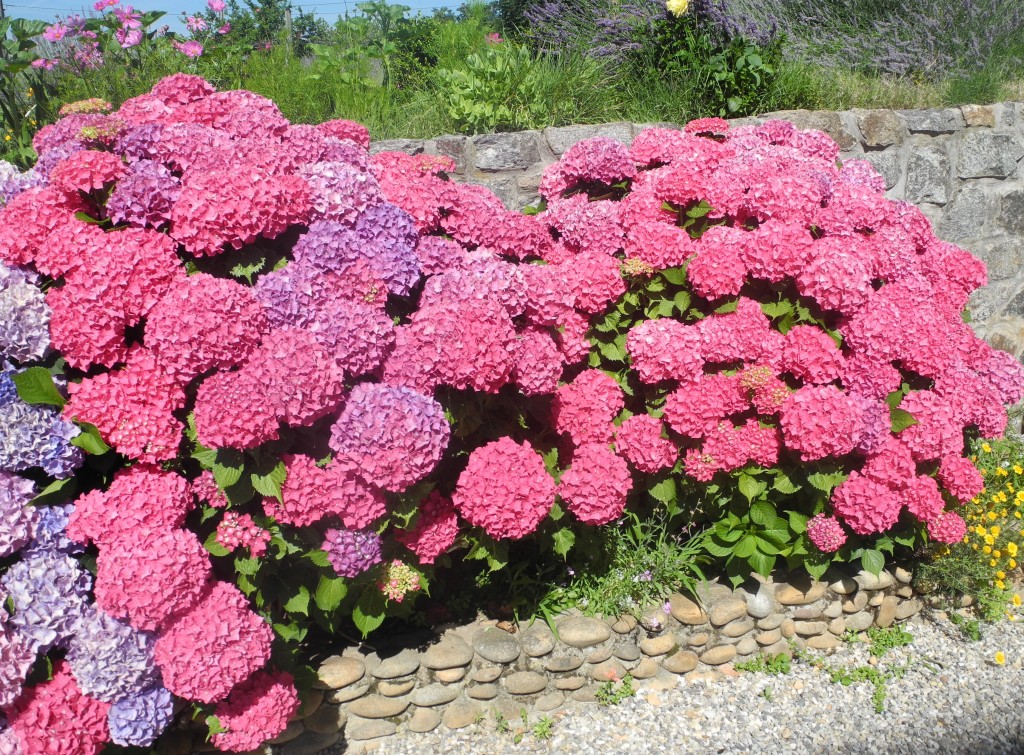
x: 263, y: 389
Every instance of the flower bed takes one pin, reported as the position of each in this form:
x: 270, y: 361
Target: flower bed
x: 299, y: 387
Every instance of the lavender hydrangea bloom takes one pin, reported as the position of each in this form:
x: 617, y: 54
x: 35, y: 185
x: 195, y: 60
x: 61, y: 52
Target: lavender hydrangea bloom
x: 36, y: 436
x: 49, y: 533
x: 8, y: 390
x: 390, y: 436
x: 139, y: 143
x: 50, y: 593
x: 12, y: 182
x: 24, y: 318
x: 49, y: 159
x: 137, y: 720
x: 388, y: 238
x: 17, y: 518
x: 16, y: 658
x: 341, y: 191
x: 290, y: 295
x: 145, y: 196
x: 9, y: 744
x: 358, y: 335
x: 110, y: 659
x: 384, y: 239
x: 479, y: 278
x: 351, y: 552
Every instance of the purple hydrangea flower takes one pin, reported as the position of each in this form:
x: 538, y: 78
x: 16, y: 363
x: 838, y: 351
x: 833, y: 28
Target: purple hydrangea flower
x: 50, y: 593
x: 24, y: 317
x: 351, y: 552
x: 137, y: 720
x: 48, y: 160
x: 390, y: 436
x: 12, y: 183
x: 110, y: 659
x: 358, y: 335
x: 17, y: 518
x: 479, y: 277
x: 384, y: 239
x: 341, y: 191
x: 36, y: 436
x: 16, y: 658
x: 145, y: 196
x: 8, y: 390
x: 51, y: 526
x: 9, y: 744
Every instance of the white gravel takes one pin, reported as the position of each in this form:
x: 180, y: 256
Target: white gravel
x: 953, y: 698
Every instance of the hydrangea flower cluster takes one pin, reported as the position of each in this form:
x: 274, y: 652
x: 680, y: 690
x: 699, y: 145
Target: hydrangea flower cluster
x: 364, y: 354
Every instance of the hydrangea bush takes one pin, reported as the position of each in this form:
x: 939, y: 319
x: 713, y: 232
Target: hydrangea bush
x: 295, y: 377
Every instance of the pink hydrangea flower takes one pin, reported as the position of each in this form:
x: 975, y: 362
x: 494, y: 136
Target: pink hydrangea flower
x: 596, y: 485
x: 436, y: 529
x: 866, y: 506
x: 584, y: 409
x: 56, y: 718
x: 505, y: 489
x: 311, y: 493
x: 202, y: 653
x: 639, y: 439
x: 821, y: 421
x: 258, y: 709
x: 826, y: 533
x: 948, y: 528
x: 961, y: 478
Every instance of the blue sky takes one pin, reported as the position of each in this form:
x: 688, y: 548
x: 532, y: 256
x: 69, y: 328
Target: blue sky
x: 329, y: 10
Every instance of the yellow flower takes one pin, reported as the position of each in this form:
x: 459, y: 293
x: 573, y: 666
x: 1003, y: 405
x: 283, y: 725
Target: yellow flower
x: 992, y: 562
x: 989, y: 540
x: 975, y: 546
x: 1016, y: 600
x: 980, y: 530
x: 1018, y: 514
x: 1000, y: 657
x: 1017, y: 469
x: 996, y: 529
x: 677, y: 7
x: 986, y: 448
x: 1011, y: 564
x: 991, y: 516
x: 1002, y: 472
x: 997, y: 554
x: 1000, y: 575
x: 1000, y: 585
x: 1011, y: 548
x: 986, y: 549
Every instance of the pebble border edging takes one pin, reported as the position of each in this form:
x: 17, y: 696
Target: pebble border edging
x: 469, y: 671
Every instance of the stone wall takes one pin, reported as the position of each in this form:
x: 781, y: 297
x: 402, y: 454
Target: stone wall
x: 486, y: 669
x: 962, y: 166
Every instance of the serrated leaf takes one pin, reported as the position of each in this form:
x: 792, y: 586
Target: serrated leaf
x: 243, y: 270
x: 816, y: 570
x: 785, y: 485
x: 564, y: 540
x: 745, y: 547
x: 798, y: 521
x: 35, y: 386
x: 227, y: 467
x: 826, y: 481
x: 700, y: 210
x: 214, y: 725
x: 777, y: 308
x: 318, y: 557
x: 270, y: 484
x: 751, y: 487
x: 901, y: 419
x: 675, y: 275
x: 369, y: 611
x: 291, y: 632
x: 213, y: 547
x: 206, y: 458
x: 664, y: 491
x: 56, y: 492
x: 246, y: 565
x: 885, y: 544
x: 330, y: 591
x: 728, y: 307
x: 299, y: 602
x: 762, y: 513
x: 873, y: 562
x: 716, y: 549
x: 90, y: 440
x: 761, y: 563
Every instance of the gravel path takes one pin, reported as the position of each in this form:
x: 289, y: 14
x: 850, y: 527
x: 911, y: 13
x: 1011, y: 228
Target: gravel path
x: 953, y: 698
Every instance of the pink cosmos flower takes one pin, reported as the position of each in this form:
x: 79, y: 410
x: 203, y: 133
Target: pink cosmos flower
x: 195, y: 23
x: 217, y: 6
x: 494, y: 39
x: 44, y: 63
x: 224, y: 29
x: 55, y: 32
x: 101, y: 5
x: 129, y: 17
x: 128, y: 37
x: 190, y: 49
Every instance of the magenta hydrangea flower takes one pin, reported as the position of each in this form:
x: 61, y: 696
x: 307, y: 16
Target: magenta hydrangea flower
x: 821, y: 421
x: 596, y: 485
x: 947, y: 528
x: 826, y: 533
x: 258, y: 709
x: 351, y: 552
x: 639, y: 439
x: 436, y: 529
x: 585, y: 408
x: 505, y: 489
x: 390, y: 436
x: 202, y: 653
